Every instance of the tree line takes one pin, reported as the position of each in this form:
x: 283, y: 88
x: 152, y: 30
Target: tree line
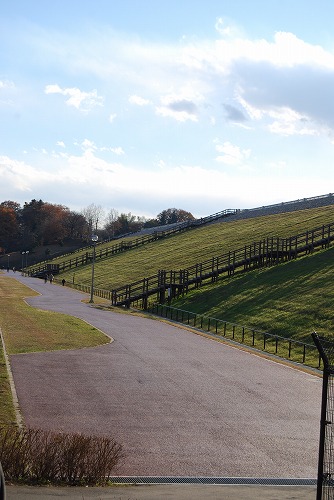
x: 39, y: 223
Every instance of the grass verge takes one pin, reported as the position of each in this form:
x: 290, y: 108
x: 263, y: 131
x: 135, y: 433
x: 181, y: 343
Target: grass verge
x: 26, y: 329
x: 7, y: 413
x: 291, y: 300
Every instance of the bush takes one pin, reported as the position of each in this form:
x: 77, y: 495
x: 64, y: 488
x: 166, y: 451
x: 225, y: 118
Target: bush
x: 37, y: 456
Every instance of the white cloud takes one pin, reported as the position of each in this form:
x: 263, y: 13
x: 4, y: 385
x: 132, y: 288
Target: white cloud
x: 86, y: 178
x: 6, y: 84
x: 77, y: 98
x: 232, y: 155
x: 289, y: 122
x: 20, y: 176
x: 140, y: 101
x: 118, y: 151
x: 180, y: 116
x: 180, y: 107
x: 282, y: 86
x: 227, y: 28
x: 7, y: 90
x: 289, y: 50
x: 88, y: 145
x: 247, y: 70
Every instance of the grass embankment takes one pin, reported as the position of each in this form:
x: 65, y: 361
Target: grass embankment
x: 272, y: 300
x: 291, y: 300
x: 26, y: 329
x: 7, y: 414
x: 194, y: 246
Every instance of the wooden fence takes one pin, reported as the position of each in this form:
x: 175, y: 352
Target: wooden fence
x: 170, y: 284
x: 123, y: 246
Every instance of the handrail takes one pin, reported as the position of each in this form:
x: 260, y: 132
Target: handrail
x: 283, y: 203
x: 125, y: 245
x: 257, y: 254
x: 284, y: 347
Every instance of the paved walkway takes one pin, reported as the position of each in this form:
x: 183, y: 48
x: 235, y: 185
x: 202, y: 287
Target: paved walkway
x: 181, y: 404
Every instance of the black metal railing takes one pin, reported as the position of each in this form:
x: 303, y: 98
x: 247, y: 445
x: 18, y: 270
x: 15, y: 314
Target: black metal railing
x: 325, y: 479
x: 283, y: 347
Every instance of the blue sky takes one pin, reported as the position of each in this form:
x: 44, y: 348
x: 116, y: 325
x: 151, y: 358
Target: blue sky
x: 145, y: 105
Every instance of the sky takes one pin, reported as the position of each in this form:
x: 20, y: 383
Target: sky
x: 144, y: 105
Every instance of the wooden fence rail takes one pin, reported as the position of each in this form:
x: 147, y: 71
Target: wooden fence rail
x: 126, y: 245
x: 170, y: 284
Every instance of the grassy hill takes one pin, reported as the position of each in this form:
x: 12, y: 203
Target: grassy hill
x: 197, y: 245
x: 291, y: 299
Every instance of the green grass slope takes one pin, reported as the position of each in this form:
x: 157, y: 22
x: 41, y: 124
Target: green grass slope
x: 194, y: 246
x: 291, y: 299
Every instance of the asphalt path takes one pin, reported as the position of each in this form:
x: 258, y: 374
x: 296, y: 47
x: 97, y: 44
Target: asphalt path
x: 180, y: 403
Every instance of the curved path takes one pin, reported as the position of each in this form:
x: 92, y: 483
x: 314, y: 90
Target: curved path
x: 181, y: 404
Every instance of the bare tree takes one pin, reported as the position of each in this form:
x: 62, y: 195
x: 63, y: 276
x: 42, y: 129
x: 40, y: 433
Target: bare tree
x: 110, y: 222
x: 94, y: 215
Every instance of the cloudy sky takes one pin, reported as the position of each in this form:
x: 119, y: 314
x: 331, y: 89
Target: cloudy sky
x: 144, y: 105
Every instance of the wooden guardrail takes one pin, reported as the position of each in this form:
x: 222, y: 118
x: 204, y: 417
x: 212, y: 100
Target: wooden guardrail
x: 122, y: 246
x: 126, y: 245
x: 270, y: 251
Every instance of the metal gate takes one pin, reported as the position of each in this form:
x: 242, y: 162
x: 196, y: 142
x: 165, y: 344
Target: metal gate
x: 325, y: 481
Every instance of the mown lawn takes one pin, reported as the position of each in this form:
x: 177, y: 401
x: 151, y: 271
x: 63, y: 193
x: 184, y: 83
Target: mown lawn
x: 26, y: 329
x: 194, y: 246
x: 291, y: 299
x: 7, y: 414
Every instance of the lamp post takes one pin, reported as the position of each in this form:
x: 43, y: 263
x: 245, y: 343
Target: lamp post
x: 94, y: 240
x: 27, y: 252
x: 22, y: 263
x: 26, y: 263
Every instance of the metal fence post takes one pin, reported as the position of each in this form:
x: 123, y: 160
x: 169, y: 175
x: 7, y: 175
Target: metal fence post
x: 325, y: 482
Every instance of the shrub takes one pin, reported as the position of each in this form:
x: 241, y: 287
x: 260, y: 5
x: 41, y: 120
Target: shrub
x: 38, y: 456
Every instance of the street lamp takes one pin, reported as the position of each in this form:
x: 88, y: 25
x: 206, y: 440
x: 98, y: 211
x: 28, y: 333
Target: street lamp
x: 22, y: 263
x: 27, y: 252
x: 94, y: 239
x: 24, y: 254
